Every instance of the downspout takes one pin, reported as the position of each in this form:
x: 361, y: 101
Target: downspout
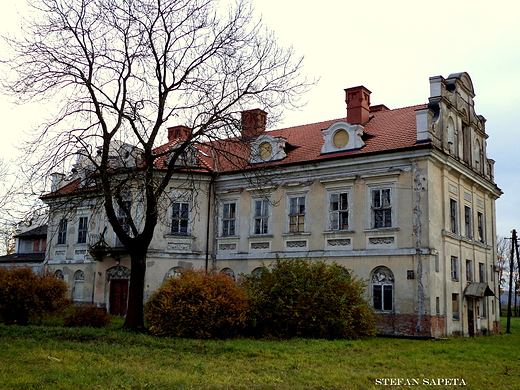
x: 417, y: 233
x: 209, y: 219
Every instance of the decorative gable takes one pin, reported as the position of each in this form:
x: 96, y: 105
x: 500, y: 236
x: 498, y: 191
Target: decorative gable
x: 342, y: 136
x: 267, y: 148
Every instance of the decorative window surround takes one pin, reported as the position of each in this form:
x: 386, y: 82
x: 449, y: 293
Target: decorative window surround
x: 181, y: 244
x: 342, y: 136
x: 267, y: 148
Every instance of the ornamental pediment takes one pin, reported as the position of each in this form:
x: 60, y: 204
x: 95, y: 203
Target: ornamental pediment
x: 267, y: 148
x: 342, y: 136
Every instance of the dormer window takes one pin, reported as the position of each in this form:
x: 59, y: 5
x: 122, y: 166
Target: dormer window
x: 342, y: 136
x: 267, y: 148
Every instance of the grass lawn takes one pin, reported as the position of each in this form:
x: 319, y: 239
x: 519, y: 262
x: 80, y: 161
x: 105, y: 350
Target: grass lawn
x: 47, y: 357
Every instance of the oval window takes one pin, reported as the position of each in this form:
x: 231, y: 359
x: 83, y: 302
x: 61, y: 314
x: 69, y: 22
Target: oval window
x: 340, y: 139
x: 265, y: 150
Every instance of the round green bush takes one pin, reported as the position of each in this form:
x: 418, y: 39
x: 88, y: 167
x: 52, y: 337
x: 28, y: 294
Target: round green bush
x: 197, y: 304
x: 300, y: 298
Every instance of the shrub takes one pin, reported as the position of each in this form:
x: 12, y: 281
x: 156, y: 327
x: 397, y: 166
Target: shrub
x: 25, y: 295
x: 299, y: 298
x: 90, y: 316
x: 197, y: 304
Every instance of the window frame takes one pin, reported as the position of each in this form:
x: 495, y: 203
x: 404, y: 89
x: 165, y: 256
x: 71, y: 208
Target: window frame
x: 468, y: 223
x: 455, y: 268
x: 386, y: 211
x: 61, y: 238
x: 383, y: 289
x: 336, y: 215
x: 469, y: 271
x: 82, y: 229
x: 480, y: 227
x: 454, y: 216
x: 455, y: 304
x: 229, y: 219
x: 179, y: 217
x: 260, y: 221
x: 296, y: 214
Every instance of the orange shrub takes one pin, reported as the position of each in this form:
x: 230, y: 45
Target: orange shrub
x: 197, y: 304
x: 91, y: 316
x: 25, y: 295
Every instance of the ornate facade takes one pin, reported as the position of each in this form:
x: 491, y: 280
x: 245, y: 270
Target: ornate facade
x: 403, y: 198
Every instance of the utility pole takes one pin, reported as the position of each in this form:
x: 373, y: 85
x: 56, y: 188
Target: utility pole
x: 514, y: 249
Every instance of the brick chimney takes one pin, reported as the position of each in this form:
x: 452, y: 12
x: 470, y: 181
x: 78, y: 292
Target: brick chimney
x: 358, y: 105
x: 253, y: 122
x: 178, y: 133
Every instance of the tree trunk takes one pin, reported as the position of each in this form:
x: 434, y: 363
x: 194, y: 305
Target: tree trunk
x: 135, y: 312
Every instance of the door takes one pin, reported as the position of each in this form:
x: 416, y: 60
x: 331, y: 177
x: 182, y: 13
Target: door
x: 118, y: 296
x: 471, y: 317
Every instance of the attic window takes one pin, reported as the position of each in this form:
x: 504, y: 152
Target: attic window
x: 267, y: 148
x: 342, y: 136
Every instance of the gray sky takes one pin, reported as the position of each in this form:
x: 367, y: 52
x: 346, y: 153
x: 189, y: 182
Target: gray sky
x: 392, y: 48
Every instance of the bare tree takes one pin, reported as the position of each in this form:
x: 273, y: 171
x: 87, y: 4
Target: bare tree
x: 120, y: 69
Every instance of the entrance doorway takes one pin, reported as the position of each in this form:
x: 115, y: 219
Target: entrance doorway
x: 471, y: 317
x: 118, y: 296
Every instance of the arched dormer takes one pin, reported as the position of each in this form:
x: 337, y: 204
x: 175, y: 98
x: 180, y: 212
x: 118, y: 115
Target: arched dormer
x: 267, y: 148
x: 342, y: 136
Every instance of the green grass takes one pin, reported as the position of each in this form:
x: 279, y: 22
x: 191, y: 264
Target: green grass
x: 51, y: 357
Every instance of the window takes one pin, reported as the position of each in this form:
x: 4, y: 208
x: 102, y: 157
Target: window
x: 469, y: 271
x: 454, y: 268
x: 481, y: 272
x: 437, y: 306
x: 455, y: 306
x: 82, y: 230
x: 123, y: 216
x: 261, y: 216
x: 437, y: 265
x: 229, y: 219
x: 39, y: 244
x: 79, y: 282
x: 381, y: 208
x: 338, y: 211
x: 62, y: 232
x: 483, y: 313
x: 297, y: 214
x: 383, y: 289
x: 480, y: 226
x: 453, y: 216
x: 467, y: 221
x: 180, y: 218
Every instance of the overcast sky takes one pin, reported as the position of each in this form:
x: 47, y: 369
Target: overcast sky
x: 392, y: 48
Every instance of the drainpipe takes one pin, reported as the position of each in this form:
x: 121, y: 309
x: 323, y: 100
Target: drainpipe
x: 417, y: 232
x: 209, y: 219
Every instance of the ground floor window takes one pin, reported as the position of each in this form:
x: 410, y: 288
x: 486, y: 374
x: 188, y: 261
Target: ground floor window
x: 382, y: 282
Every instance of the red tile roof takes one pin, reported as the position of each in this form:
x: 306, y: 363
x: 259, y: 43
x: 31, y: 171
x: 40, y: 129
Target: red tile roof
x: 387, y: 130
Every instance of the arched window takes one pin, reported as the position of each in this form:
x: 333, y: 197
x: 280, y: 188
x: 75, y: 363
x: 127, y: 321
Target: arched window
x: 174, y: 272
x: 229, y: 272
x: 79, y: 282
x: 59, y: 275
x: 382, y: 282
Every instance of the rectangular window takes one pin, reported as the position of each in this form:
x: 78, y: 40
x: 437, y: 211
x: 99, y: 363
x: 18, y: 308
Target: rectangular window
x: 437, y: 265
x: 180, y: 218
x: 467, y: 221
x: 383, y: 297
x: 453, y: 216
x: 480, y: 226
x: 483, y: 313
x: 455, y: 306
x: 62, y: 232
x: 338, y: 210
x: 437, y: 306
x: 481, y: 273
x: 39, y: 245
x: 297, y: 214
x: 228, y: 219
x: 261, y: 217
x: 454, y: 268
x: 381, y: 208
x: 469, y: 271
x: 492, y: 274
x: 82, y: 230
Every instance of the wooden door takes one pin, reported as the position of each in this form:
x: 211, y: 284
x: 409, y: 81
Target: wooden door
x: 118, y: 296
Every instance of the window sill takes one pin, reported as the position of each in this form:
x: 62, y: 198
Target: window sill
x: 384, y: 229
x: 296, y: 234
x: 173, y: 235
x: 340, y: 232
x: 261, y: 236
